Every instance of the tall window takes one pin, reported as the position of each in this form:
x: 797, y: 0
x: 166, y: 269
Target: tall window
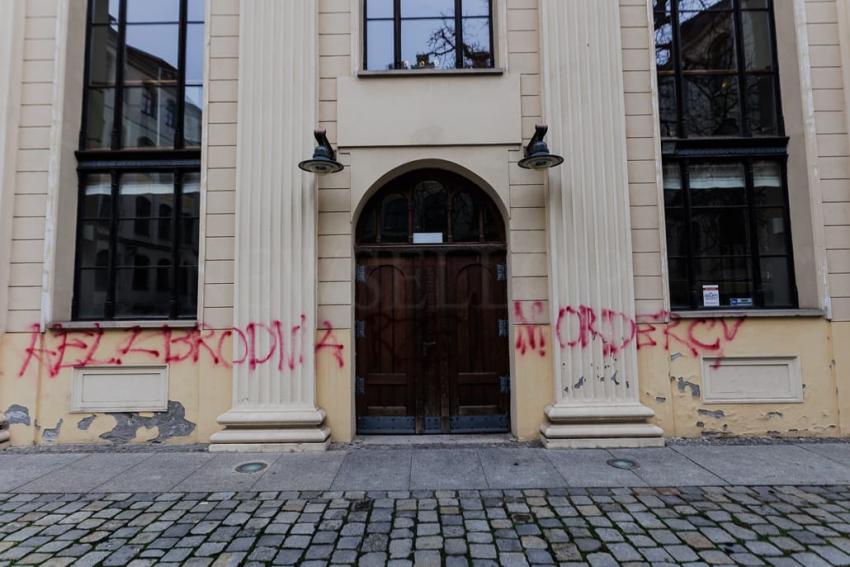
x: 139, y: 161
x: 428, y: 34
x: 724, y: 152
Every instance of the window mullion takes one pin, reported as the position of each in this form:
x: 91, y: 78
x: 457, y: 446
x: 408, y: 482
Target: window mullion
x: 758, y: 289
x: 777, y: 90
x: 685, y: 180
x: 789, y: 242
x: 177, y: 213
x: 181, y: 76
x: 397, y: 34
x: 677, y: 69
x: 459, y: 34
x: 109, y: 308
x: 739, y: 58
x: 117, y: 114
x: 75, y: 299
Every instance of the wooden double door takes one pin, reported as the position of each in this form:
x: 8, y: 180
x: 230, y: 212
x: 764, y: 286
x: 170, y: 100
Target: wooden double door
x: 431, y: 336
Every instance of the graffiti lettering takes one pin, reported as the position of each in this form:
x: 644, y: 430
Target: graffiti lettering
x: 529, y: 337
x: 255, y: 345
x: 580, y: 327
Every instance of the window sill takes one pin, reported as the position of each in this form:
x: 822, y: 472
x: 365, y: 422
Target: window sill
x: 142, y: 324
x: 430, y: 73
x: 748, y: 313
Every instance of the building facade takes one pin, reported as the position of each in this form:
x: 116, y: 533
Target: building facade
x: 169, y: 274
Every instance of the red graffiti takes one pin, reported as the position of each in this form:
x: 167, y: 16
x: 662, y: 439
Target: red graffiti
x: 257, y: 344
x: 579, y: 327
x: 328, y: 341
x: 529, y: 336
x: 695, y: 336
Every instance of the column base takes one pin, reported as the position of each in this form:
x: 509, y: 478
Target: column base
x: 5, y: 434
x: 597, y: 426
x: 271, y: 430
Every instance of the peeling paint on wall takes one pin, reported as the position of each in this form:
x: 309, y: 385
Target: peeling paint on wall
x: 682, y: 384
x: 18, y: 414
x: 85, y: 423
x: 171, y: 423
x: 50, y: 435
x: 716, y: 414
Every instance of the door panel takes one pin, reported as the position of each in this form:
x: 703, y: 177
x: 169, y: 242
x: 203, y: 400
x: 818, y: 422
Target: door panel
x: 431, y: 356
x: 385, y: 345
x: 478, y: 355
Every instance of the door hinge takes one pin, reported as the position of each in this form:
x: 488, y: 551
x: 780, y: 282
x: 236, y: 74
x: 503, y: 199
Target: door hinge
x: 504, y: 384
x: 501, y: 272
x: 360, y: 328
x: 503, y: 327
x: 360, y: 273
x: 359, y: 385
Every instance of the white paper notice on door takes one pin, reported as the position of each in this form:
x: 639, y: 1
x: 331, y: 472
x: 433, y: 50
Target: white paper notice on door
x: 711, y: 295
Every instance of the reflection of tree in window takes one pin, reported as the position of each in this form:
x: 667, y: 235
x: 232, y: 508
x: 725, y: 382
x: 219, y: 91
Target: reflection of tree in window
x: 442, y: 44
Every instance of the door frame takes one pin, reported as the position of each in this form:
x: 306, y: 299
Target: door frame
x: 495, y: 204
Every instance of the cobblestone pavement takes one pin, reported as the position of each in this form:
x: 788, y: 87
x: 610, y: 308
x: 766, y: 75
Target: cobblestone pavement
x: 652, y: 526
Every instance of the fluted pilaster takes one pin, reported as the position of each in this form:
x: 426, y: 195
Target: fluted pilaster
x: 591, y: 281
x: 274, y: 396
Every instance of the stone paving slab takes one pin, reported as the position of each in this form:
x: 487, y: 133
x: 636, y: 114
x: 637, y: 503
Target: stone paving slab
x: 85, y: 474
x: 375, y: 469
x: 666, y: 467
x: 302, y: 471
x: 838, y: 452
x: 159, y: 473
x: 17, y: 470
x: 219, y: 473
x: 519, y: 468
x: 589, y: 467
x: 786, y: 525
x: 766, y: 464
x: 447, y: 469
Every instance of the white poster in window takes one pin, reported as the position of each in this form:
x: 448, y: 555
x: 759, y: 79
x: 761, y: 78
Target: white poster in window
x: 711, y: 295
x: 427, y: 237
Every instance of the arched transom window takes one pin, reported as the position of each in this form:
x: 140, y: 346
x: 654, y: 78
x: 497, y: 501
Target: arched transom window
x: 430, y: 207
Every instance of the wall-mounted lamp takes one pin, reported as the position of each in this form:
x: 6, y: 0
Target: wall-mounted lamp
x: 537, y: 154
x: 324, y: 156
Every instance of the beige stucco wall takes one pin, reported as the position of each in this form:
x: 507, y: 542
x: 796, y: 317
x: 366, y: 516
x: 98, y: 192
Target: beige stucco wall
x: 670, y: 369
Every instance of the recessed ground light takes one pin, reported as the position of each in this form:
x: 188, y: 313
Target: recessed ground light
x: 251, y: 467
x: 625, y: 464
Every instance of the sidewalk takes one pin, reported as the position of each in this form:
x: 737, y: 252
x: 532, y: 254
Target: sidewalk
x: 422, y: 506
x: 423, y: 468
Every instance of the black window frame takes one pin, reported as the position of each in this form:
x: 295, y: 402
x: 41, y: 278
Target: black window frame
x: 178, y: 160
x: 397, y: 28
x: 681, y: 150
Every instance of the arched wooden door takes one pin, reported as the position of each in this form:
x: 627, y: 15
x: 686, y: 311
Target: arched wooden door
x: 431, y: 314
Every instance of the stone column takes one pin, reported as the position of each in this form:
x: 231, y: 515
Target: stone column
x: 591, y: 282
x: 274, y: 400
x: 12, y: 26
